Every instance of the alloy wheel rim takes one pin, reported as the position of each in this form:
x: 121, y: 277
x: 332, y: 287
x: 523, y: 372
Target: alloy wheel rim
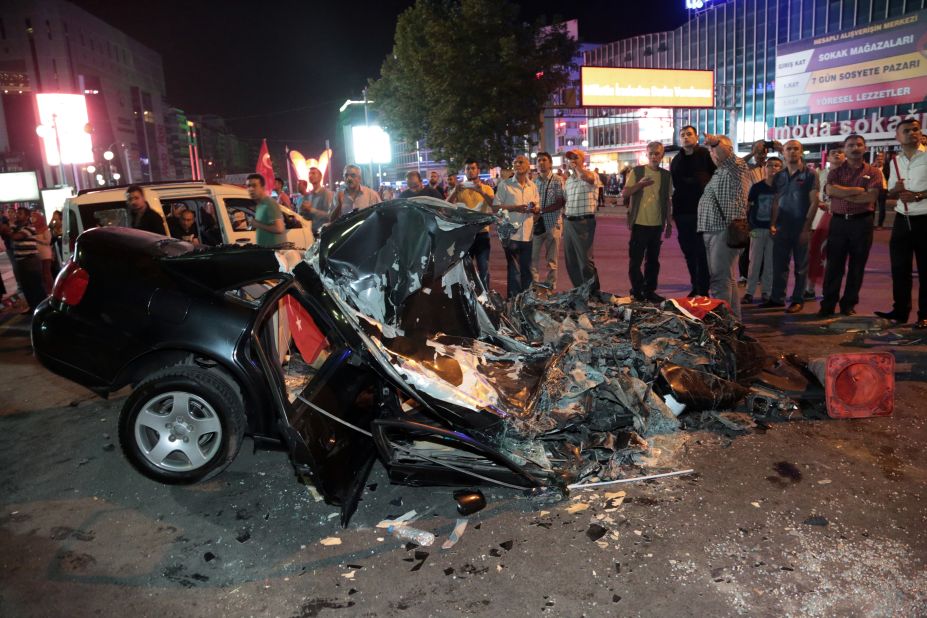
x: 178, y: 431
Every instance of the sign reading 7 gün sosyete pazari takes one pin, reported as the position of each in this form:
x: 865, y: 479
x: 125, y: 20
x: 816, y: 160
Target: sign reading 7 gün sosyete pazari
x: 870, y: 66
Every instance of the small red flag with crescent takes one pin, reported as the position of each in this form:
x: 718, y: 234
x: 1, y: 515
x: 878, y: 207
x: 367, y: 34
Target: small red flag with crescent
x: 265, y: 166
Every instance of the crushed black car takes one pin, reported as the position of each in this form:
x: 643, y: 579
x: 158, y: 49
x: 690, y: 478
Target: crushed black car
x: 380, y: 342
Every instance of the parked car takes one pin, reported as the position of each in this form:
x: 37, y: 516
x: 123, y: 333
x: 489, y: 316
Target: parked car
x: 223, y: 212
x: 395, y: 352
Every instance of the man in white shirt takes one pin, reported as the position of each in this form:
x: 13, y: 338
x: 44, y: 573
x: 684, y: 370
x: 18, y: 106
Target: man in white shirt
x: 519, y: 196
x: 908, y: 184
x: 355, y: 195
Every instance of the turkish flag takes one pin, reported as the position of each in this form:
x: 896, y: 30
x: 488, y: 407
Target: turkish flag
x: 265, y: 167
x: 308, y: 338
x: 698, y: 307
x: 817, y: 256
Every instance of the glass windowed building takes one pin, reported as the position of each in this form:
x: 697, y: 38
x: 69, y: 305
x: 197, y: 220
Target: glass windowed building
x: 738, y: 40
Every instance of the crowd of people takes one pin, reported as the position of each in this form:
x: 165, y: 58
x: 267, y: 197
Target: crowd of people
x: 30, y: 242
x: 813, y: 225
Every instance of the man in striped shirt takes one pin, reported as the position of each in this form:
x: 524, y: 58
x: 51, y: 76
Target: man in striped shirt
x: 579, y: 221
x: 26, y: 264
x: 724, y: 199
x: 548, y: 228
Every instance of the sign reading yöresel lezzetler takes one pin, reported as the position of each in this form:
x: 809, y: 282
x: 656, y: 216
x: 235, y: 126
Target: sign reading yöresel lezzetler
x: 623, y: 87
x: 870, y: 66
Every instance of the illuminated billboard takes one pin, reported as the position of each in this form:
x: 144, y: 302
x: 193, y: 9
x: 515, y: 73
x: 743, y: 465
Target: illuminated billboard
x: 620, y: 87
x: 68, y: 114
x: 872, y: 66
x: 371, y: 145
x: 19, y: 187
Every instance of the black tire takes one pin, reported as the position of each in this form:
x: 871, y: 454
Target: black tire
x: 204, y: 440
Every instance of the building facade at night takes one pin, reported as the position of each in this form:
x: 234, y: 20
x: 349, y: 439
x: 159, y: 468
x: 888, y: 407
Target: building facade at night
x: 54, y: 46
x: 738, y: 40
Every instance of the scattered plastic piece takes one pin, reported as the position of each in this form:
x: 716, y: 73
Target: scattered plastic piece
x: 408, y: 533
x: 331, y: 540
x: 507, y: 545
x: 577, y: 507
x: 455, y: 534
x: 386, y: 523
x: 469, y: 502
x: 675, y: 407
x: 817, y: 520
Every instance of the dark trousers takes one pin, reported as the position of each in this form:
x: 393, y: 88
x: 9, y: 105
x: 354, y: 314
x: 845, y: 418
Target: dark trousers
x: 578, y: 239
x: 743, y: 264
x: 693, y: 249
x: 905, y: 246
x: 787, y: 245
x: 479, y: 252
x: 848, y: 239
x: 644, y: 248
x: 28, y: 273
x: 518, y: 259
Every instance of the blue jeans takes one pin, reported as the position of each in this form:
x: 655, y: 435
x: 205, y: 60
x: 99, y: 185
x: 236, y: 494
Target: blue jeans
x: 761, y: 259
x: 518, y: 259
x: 479, y: 252
x: 785, y: 245
x: 722, y: 273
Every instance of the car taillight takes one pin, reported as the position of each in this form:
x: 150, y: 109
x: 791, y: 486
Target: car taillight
x: 70, y: 284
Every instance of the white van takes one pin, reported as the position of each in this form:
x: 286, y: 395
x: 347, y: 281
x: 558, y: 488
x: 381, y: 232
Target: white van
x: 223, y: 212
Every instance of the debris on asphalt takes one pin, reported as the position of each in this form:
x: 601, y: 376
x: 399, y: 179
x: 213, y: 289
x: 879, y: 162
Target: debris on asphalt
x: 469, y: 502
x: 816, y: 520
x: 455, y: 534
x: 577, y: 507
x: 596, y: 532
x: 414, y: 535
x: 331, y: 540
x: 407, y: 517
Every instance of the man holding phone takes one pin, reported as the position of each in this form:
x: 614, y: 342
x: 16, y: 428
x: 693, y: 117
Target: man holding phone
x: 691, y: 170
x: 519, y: 196
x: 476, y: 195
x: 579, y: 221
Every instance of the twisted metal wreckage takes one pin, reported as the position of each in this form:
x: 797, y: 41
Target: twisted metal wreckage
x: 544, y: 390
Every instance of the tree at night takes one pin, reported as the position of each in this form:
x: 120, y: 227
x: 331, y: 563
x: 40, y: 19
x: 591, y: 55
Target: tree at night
x: 470, y: 77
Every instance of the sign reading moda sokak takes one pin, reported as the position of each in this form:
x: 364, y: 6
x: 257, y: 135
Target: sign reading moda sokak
x: 872, y: 127
x: 873, y: 66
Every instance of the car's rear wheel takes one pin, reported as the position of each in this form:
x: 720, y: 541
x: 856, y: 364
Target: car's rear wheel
x: 182, y: 425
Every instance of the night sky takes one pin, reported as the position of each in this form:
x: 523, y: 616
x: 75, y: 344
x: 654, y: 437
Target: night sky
x: 282, y: 69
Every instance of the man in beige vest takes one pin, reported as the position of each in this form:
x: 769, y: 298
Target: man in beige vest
x: 649, y: 188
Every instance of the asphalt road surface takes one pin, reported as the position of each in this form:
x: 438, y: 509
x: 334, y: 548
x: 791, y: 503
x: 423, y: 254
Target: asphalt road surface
x: 805, y: 518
